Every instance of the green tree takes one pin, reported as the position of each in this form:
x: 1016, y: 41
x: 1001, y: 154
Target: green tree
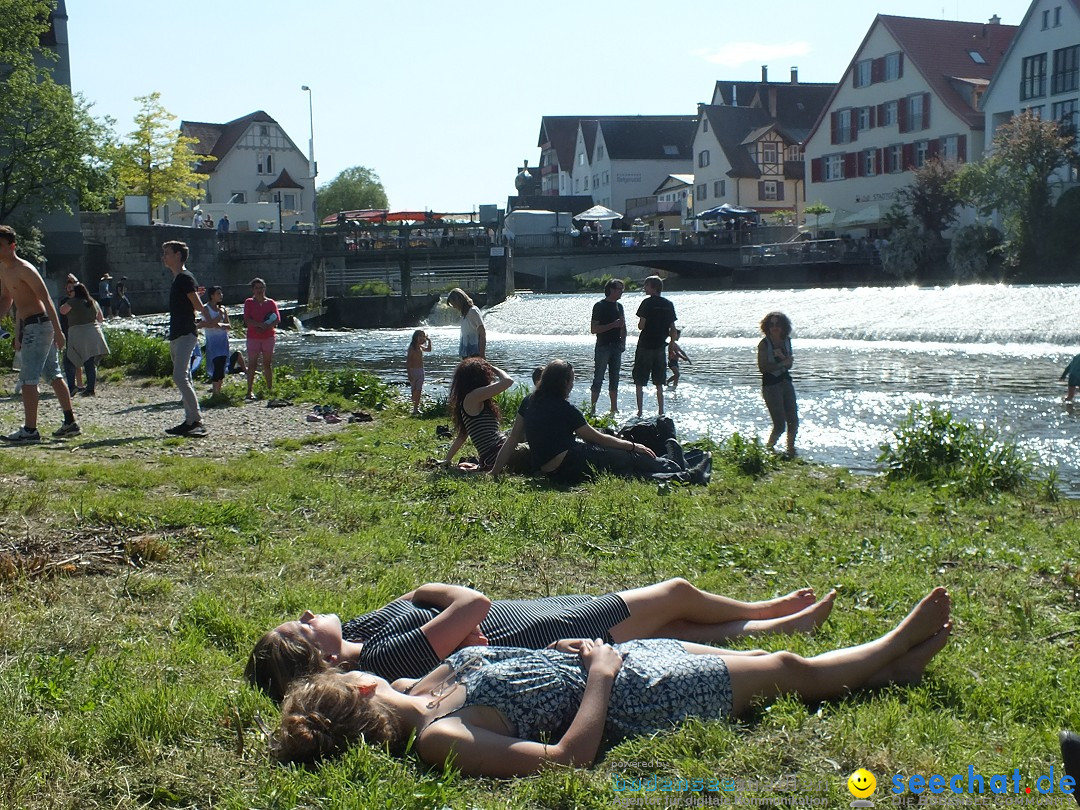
x: 158, y: 161
x: 1017, y: 181
x: 932, y: 198
x: 50, y: 144
x: 352, y: 190
x: 817, y: 209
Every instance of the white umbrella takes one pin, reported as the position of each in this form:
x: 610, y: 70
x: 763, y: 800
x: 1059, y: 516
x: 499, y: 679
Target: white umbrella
x: 598, y: 213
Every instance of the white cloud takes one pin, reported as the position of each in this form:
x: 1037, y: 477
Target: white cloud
x: 734, y: 54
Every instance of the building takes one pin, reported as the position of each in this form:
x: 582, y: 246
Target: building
x: 910, y: 93
x: 1040, y: 71
x: 256, y: 162
x: 558, y: 134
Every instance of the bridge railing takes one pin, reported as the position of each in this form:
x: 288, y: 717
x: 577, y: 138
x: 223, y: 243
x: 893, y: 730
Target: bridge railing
x: 424, y: 280
x: 810, y: 251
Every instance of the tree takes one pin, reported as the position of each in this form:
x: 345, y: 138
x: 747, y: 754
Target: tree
x: 50, y: 145
x: 1017, y: 181
x: 932, y: 198
x: 817, y: 209
x: 352, y: 190
x: 159, y: 162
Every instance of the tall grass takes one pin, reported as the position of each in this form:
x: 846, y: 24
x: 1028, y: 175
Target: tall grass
x: 137, y: 353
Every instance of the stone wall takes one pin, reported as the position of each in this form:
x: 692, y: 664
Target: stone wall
x: 282, y: 259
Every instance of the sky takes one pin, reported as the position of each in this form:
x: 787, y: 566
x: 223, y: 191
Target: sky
x: 443, y: 100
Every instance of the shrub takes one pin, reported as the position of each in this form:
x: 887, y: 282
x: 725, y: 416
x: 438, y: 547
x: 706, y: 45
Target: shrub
x: 932, y: 446
x: 7, y: 348
x: 342, y: 388
x: 138, y: 353
x: 509, y: 401
x: 971, y: 251
x: 373, y: 287
x: 749, y: 457
x: 905, y: 254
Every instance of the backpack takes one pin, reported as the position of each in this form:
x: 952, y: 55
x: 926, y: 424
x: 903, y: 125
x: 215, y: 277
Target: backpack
x: 650, y: 432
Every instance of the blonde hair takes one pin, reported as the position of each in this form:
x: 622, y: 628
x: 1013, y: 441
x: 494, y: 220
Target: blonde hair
x: 326, y: 714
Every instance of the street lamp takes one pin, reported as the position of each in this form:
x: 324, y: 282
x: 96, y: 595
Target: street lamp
x: 313, y: 170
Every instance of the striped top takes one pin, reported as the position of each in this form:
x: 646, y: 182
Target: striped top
x: 483, y: 429
x: 395, y: 645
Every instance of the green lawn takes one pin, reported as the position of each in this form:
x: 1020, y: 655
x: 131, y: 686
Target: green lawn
x: 132, y: 591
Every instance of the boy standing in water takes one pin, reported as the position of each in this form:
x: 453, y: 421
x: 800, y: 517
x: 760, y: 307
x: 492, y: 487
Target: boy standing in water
x: 674, y: 355
x: 414, y: 366
x: 1072, y: 371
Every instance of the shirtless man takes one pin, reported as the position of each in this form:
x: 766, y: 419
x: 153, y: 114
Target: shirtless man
x: 37, y: 335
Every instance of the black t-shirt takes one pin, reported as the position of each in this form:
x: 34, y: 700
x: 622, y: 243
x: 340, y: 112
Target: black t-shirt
x: 181, y: 313
x: 604, y: 312
x: 659, y: 315
x: 549, y: 426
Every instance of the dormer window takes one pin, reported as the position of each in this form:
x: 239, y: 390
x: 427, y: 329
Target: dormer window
x: 671, y: 151
x: 977, y: 57
x: 704, y: 124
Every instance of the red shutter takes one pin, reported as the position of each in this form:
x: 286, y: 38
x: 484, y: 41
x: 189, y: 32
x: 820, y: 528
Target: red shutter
x: 901, y: 115
x: 851, y: 164
x: 860, y: 165
x: 877, y: 70
x: 900, y: 65
x: 961, y: 148
x: 761, y: 190
x: 779, y: 189
x: 833, y: 118
x: 909, y: 156
x: 815, y: 170
x: 926, y: 111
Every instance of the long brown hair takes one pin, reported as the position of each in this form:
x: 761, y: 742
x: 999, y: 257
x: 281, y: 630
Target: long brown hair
x: 279, y: 659
x: 785, y: 323
x: 471, y: 373
x: 556, y: 381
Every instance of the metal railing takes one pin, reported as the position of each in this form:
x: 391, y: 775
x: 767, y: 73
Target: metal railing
x: 809, y: 251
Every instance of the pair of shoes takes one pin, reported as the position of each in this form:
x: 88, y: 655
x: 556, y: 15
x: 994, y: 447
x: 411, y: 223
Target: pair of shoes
x: 791, y: 452
x: 250, y: 397
x: 198, y: 430
x: 314, y: 417
x: 87, y: 392
x: 278, y: 403
x: 68, y: 429
x: 23, y: 436
x: 332, y: 419
x: 443, y: 432
x: 701, y: 473
x: 673, y: 450
x: 187, y: 429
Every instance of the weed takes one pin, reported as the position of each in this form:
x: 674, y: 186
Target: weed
x: 748, y: 457
x: 373, y: 287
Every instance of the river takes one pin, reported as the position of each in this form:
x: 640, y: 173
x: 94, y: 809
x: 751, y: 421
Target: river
x: 991, y: 354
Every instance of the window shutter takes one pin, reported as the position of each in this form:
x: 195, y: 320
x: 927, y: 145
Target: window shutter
x: 880, y: 164
x: 926, y: 110
x: 779, y: 189
x: 815, y: 170
x: 833, y: 118
x: 900, y: 65
x: 851, y: 164
x: 902, y: 114
x: 873, y: 116
x: 961, y: 148
x: 909, y: 156
x: 935, y: 147
x: 761, y: 190
x: 877, y: 70
x: 879, y: 111
x: 854, y: 129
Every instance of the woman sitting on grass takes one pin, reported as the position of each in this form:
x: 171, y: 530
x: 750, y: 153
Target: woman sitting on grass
x: 569, y: 450
x: 414, y: 634
x: 475, y: 413
x: 501, y: 712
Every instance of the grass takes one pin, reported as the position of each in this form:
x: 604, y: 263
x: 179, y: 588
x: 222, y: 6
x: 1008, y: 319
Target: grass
x: 123, y: 689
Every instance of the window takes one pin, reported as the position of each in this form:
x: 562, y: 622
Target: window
x: 869, y: 162
x: 834, y: 167
x: 894, y: 158
x: 288, y: 202
x: 922, y: 153
x: 769, y: 152
x: 863, y: 118
x: 671, y: 151
x: 703, y: 158
x: 581, y: 159
x: 950, y: 147
x: 1039, y: 110
x: 769, y: 190
x: 1046, y: 19
x: 577, y: 185
x: 238, y: 197
x: 977, y: 57
x: 704, y: 124
x: 862, y: 72
x: 599, y: 152
x: 264, y: 131
x: 1066, y: 70
x: 607, y: 178
x: 795, y: 153
x: 1033, y: 76
x: 586, y: 182
x: 1057, y: 16
x: 718, y: 188
x: 915, y: 119
x: 843, y: 126
x: 888, y: 113
x: 1064, y: 112
x: 701, y: 195
x: 892, y: 66
x: 265, y: 164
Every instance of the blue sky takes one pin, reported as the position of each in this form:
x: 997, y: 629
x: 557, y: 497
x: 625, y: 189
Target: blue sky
x: 444, y: 100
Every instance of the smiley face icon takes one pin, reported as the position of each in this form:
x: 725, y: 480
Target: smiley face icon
x: 861, y: 783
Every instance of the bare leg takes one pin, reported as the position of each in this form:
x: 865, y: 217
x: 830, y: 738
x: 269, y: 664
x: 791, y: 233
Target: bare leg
x: 676, y: 609
x: 838, y: 672
x: 639, y: 398
x: 30, y: 406
x: 253, y: 360
x: 268, y: 373
x: 614, y: 394
x: 63, y: 396
x: 660, y: 399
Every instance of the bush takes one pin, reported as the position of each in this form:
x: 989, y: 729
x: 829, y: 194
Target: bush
x: 340, y: 388
x: 373, y: 287
x: 7, y: 348
x: 932, y: 446
x: 971, y: 251
x: 509, y: 401
x: 905, y: 254
x: 138, y: 353
x: 749, y: 457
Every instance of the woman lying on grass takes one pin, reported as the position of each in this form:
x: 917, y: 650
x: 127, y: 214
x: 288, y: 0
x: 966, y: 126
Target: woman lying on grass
x: 504, y: 712
x: 416, y: 632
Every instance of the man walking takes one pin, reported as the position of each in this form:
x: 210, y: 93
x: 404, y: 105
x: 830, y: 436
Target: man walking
x: 37, y: 335
x: 656, y: 320
x: 184, y: 302
x: 609, y: 326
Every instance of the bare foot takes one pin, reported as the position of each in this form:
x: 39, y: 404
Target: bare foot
x: 783, y: 605
x: 806, y: 620
x: 908, y: 668
x: 925, y: 619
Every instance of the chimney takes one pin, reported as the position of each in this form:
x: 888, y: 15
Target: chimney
x: 700, y: 107
x: 794, y: 75
x: 734, y: 95
x: 995, y: 20
x: 764, y: 74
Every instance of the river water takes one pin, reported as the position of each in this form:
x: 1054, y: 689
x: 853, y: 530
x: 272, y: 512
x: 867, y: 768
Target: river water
x: 991, y: 354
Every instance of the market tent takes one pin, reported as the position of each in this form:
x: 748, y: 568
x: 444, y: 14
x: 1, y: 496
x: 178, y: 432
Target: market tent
x: 598, y: 213
x: 726, y: 211
x: 871, y: 215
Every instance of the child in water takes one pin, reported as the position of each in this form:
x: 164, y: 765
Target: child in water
x: 674, y: 355
x: 414, y: 364
x: 1072, y: 371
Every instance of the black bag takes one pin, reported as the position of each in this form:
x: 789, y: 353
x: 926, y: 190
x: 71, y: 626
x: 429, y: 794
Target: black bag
x: 650, y: 432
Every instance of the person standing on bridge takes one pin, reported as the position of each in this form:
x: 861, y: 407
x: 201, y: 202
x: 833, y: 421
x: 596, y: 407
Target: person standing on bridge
x: 609, y: 326
x: 473, y: 342
x: 656, y: 320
